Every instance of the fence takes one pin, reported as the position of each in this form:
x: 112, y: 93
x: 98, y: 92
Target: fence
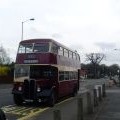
x: 86, y: 103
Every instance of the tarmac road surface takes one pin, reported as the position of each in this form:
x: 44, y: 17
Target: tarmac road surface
x: 40, y: 112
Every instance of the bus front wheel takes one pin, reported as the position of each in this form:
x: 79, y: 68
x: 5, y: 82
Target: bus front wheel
x: 18, y: 99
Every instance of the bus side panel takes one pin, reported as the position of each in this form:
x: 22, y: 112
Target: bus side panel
x: 67, y: 87
x: 72, y: 86
x: 63, y: 88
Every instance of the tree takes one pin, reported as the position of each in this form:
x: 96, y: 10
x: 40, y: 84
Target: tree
x: 113, y: 69
x: 4, y: 70
x: 95, y: 59
x: 4, y: 57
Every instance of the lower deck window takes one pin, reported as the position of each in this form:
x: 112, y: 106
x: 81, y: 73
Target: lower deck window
x: 67, y: 75
x: 61, y: 75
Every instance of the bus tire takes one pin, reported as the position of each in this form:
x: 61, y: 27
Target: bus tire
x: 18, y: 99
x: 52, y: 99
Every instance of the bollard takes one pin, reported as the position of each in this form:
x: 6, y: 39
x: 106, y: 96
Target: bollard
x: 57, y: 115
x: 103, y: 90
x: 90, y: 107
x: 80, y: 109
x: 100, y: 93
x: 95, y: 97
x: 2, y: 115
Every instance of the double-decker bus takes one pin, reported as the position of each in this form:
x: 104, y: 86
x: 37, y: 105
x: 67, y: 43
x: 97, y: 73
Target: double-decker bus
x: 45, y: 71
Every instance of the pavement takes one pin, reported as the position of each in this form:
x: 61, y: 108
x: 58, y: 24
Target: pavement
x: 109, y: 109
x: 6, y: 86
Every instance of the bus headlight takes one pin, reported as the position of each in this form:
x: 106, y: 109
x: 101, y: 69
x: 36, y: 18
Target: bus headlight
x: 38, y: 89
x: 20, y: 88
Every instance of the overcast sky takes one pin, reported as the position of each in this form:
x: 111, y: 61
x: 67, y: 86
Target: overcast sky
x: 83, y: 25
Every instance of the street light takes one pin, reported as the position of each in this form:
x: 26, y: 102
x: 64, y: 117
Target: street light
x: 118, y: 76
x: 118, y: 70
x: 22, y: 26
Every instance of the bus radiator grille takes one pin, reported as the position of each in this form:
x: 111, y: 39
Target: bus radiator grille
x: 29, y: 89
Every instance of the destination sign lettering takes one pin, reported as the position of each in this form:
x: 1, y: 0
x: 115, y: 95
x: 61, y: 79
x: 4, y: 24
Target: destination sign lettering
x: 31, y: 56
x: 30, y: 61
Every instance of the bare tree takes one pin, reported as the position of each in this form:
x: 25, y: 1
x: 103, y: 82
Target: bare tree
x: 95, y: 59
x: 4, y: 57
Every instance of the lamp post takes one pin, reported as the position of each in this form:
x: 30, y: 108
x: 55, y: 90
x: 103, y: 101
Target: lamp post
x: 118, y: 76
x: 118, y: 70
x: 22, y: 26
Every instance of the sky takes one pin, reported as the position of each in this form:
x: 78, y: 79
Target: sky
x: 83, y: 25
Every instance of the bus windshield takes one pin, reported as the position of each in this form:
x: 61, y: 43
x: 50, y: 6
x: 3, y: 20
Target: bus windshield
x: 42, y: 72
x: 21, y: 71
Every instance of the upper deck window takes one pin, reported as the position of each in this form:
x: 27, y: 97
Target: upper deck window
x: 70, y: 54
x: 54, y: 48
x: 78, y: 57
x: 30, y: 48
x: 60, y: 51
x: 25, y: 48
x: 65, y: 52
x: 41, y: 47
x: 74, y: 55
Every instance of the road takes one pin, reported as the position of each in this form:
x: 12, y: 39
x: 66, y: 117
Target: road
x: 5, y: 95
x: 35, y: 112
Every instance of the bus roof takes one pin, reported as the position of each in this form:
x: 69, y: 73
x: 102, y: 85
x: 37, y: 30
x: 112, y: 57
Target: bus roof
x: 45, y: 40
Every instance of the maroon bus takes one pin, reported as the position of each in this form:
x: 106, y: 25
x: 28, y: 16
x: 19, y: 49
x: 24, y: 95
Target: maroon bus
x: 45, y: 71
